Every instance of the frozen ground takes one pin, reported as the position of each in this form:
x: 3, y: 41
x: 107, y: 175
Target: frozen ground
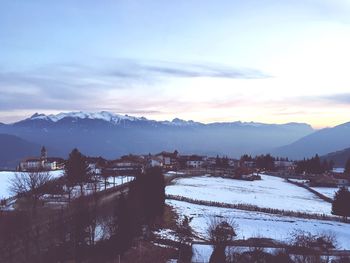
x: 90, y: 188
x: 255, y: 224
x: 327, y: 191
x: 5, y: 178
x: 301, y: 181
x: 270, y: 192
x: 172, y: 173
x: 338, y: 170
x: 118, y: 180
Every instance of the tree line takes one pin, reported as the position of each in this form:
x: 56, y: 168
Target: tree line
x: 314, y: 165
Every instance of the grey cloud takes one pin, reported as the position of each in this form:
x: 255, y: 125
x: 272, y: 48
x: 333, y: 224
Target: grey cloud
x: 74, y: 86
x: 151, y: 69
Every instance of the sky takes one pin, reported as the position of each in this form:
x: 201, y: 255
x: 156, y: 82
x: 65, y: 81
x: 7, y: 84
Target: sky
x: 224, y: 60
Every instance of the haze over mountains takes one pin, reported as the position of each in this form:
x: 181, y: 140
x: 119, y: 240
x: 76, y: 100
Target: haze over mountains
x: 13, y: 149
x: 111, y: 135
x: 322, y: 142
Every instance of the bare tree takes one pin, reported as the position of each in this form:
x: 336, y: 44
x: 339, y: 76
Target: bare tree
x: 220, y: 231
x: 185, y: 236
x: 30, y: 185
x: 307, y: 247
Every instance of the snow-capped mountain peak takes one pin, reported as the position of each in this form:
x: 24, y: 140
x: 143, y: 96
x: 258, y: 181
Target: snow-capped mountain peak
x: 102, y: 115
x: 106, y: 116
x: 180, y: 122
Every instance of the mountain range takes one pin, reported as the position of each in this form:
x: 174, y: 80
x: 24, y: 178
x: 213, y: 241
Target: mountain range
x: 111, y: 135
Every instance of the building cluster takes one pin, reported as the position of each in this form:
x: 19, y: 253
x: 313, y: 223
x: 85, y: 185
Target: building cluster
x: 136, y: 164
x: 174, y: 161
x: 43, y: 163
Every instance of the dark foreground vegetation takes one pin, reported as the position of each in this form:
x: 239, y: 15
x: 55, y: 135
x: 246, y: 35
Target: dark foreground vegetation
x: 117, y: 224
x: 94, y: 228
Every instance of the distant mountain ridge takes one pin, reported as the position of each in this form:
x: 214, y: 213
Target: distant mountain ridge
x: 119, y: 118
x: 339, y: 157
x: 103, y: 115
x: 320, y: 142
x: 13, y: 149
x: 111, y: 135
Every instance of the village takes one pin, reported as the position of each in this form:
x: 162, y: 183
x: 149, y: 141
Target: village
x: 245, y: 168
x: 247, y: 187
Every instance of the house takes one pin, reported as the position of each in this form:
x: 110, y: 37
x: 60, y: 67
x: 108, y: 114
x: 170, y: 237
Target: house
x: 169, y: 159
x: 41, y: 163
x: 96, y: 164
x: 342, y: 182
x: 211, y: 161
x: 128, y: 165
x: 54, y: 163
x: 194, y: 161
x: 153, y: 161
x: 248, y: 164
x: 234, y: 163
x: 31, y: 163
x: 342, y: 179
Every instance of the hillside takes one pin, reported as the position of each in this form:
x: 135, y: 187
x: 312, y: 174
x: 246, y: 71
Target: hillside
x: 13, y: 149
x: 339, y: 157
x: 321, y: 142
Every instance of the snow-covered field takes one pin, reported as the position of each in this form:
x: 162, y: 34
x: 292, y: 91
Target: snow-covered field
x: 301, y: 181
x: 327, y: 191
x: 90, y: 188
x: 339, y: 170
x: 270, y: 192
x: 255, y: 224
x: 5, y: 178
x: 172, y: 173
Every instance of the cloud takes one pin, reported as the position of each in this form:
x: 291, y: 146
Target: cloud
x: 154, y: 69
x: 342, y: 98
x: 77, y: 86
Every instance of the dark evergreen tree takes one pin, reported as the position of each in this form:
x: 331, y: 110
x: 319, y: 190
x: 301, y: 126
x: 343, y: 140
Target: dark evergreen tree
x: 246, y: 158
x: 347, y: 167
x: 331, y: 165
x: 147, y: 196
x: 218, y: 161
x: 79, y: 233
x: 121, y: 229
x: 153, y: 187
x: 312, y: 166
x: 341, y: 205
x: 225, y: 162
x: 185, y: 235
x: 266, y: 162
x: 76, y: 169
